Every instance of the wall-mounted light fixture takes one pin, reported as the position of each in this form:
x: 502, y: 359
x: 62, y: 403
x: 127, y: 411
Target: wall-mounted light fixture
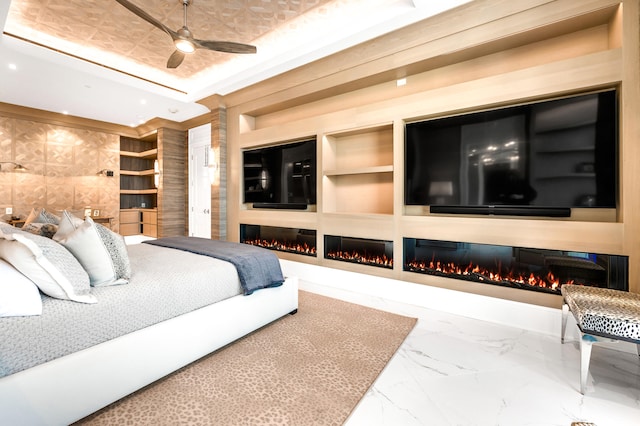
x: 105, y: 172
x: 16, y: 167
x: 211, y: 162
x: 156, y: 173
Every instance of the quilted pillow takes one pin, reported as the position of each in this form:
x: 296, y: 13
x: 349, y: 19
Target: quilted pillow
x: 48, y: 264
x: 117, y: 250
x: 93, y: 251
x: 19, y: 296
x: 40, y: 215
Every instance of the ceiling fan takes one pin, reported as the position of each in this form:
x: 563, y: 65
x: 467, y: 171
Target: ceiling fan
x: 183, y: 38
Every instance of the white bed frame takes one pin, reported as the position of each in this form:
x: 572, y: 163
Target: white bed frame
x: 67, y: 389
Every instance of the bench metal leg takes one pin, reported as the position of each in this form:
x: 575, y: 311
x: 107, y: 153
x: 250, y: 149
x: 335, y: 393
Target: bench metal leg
x: 586, y: 343
x: 565, y: 315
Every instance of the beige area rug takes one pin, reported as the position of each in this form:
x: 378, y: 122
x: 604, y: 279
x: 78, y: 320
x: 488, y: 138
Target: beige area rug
x: 310, y: 368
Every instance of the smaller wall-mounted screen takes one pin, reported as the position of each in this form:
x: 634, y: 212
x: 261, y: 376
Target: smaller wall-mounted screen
x: 282, y: 176
x: 554, y: 154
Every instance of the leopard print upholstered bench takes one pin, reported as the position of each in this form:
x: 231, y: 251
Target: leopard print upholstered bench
x: 602, y: 315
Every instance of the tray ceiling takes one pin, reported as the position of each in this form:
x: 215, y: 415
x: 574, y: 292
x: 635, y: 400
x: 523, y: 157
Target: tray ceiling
x: 105, y: 40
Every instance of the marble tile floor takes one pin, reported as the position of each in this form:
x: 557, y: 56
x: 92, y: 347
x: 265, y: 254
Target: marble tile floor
x: 453, y: 370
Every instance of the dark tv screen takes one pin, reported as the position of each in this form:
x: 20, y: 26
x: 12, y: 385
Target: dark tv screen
x: 281, y: 176
x: 559, y: 153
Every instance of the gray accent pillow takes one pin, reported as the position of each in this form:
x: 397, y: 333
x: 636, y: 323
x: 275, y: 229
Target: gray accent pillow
x: 98, y: 253
x: 48, y: 264
x: 40, y: 215
x: 117, y: 249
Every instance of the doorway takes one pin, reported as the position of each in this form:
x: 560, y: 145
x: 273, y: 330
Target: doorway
x: 201, y: 163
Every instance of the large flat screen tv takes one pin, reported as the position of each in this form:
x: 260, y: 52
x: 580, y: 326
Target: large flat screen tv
x: 539, y: 159
x: 282, y: 176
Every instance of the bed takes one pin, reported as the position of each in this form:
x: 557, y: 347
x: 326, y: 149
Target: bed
x: 174, y: 307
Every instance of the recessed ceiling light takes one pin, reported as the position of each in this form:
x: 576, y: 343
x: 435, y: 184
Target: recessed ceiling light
x: 13, y: 67
x: 173, y: 110
x: 143, y: 101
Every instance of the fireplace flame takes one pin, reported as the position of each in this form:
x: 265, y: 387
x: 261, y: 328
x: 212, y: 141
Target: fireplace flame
x: 288, y: 247
x: 365, y: 259
x: 478, y: 273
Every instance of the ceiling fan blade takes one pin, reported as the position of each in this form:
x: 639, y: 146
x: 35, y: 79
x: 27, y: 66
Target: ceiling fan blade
x: 225, y: 46
x: 144, y: 15
x: 175, y: 59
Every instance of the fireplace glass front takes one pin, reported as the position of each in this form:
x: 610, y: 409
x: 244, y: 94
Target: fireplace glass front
x: 290, y: 240
x: 518, y: 267
x: 364, y: 251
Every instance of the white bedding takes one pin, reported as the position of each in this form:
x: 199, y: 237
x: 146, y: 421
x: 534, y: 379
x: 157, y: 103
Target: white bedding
x: 164, y: 283
x: 77, y: 358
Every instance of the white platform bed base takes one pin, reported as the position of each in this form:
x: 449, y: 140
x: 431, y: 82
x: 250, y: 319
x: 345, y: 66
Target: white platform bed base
x: 67, y: 389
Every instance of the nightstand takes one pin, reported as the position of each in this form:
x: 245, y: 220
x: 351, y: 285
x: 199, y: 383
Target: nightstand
x: 18, y: 223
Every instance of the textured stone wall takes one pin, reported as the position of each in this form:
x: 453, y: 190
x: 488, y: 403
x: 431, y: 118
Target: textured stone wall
x: 62, y: 164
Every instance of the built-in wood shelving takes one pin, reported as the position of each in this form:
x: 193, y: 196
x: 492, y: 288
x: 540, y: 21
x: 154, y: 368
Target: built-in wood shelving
x: 148, y: 154
x: 358, y: 167
x: 137, y: 173
x: 138, y: 192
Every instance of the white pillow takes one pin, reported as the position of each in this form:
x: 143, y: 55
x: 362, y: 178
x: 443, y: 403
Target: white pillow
x: 19, y: 296
x: 48, y: 264
x: 68, y: 224
x: 87, y: 245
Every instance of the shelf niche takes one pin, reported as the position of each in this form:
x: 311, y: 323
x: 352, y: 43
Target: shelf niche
x: 138, y: 192
x: 137, y: 186
x: 358, y: 171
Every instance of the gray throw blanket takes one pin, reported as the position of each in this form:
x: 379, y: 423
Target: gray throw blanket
x: 257, y: 267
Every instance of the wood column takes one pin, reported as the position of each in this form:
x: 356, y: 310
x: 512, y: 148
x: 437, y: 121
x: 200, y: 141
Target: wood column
x: 172, y: 196
x: 219, y: 183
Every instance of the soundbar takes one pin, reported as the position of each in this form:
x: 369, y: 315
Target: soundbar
x: 293, y: 206
x: 503, y: 210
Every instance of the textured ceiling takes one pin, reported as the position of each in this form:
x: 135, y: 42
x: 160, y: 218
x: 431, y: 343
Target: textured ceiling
x: 96, y: 59
x: 88, y: 28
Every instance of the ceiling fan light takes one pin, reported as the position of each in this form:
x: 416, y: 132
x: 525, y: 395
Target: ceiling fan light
x: 185, y: 46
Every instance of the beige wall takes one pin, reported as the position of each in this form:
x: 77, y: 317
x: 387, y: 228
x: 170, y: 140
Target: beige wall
x: 62, y: 163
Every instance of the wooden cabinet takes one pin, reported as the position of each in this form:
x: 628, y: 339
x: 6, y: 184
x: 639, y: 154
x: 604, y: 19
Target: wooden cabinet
x: 139, y: 221
x: 150, y: 223
x: 130, y: 222
x: 358, y: 171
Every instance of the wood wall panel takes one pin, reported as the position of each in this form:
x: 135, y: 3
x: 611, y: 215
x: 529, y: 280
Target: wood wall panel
x: 62, y: 163
x: 172, y: 189
x: 219, y: 183
x: 492, y: 54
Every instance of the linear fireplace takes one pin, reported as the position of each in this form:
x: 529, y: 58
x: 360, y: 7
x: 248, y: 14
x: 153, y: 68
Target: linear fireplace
x: 363, y: 251
x: 290, y: 240
x: 517, y: 267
